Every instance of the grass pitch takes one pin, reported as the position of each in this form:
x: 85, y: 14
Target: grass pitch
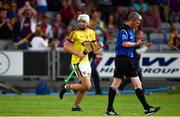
x: 92, y: 105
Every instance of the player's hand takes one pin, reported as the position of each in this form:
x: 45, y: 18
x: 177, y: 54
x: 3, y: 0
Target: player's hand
x: 149, y: 44
x: 97, y: 46
x: 139, y: 42
x: 81, y: 56
x: 7, y: 20
x: 27, y: 4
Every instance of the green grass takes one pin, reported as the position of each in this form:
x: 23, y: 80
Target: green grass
x: 93, y: 105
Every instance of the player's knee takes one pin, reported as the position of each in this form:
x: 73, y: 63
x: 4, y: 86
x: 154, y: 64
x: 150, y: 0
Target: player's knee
x: 137, y: 85
x: 86, y: 86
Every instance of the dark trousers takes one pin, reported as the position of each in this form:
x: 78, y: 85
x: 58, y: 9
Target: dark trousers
x: 95, y: 77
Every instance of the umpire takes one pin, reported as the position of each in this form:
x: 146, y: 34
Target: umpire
x: 124, y: 65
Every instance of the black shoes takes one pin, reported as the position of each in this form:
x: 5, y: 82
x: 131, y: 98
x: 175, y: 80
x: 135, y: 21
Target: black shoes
x: 111, y: 112
x: 147, y: 112
x: 151, y: 110
x: 76, y: 108
x: 62, y: 91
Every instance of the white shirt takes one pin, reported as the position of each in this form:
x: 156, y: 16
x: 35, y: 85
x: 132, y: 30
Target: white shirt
x: 48, y: 31
x: 42, y: 2
x: 38, y: 43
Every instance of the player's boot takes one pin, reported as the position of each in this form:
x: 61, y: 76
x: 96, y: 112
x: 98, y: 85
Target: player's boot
x: 111, y: 112
x: 62, y: 91
x: 76, y: 108
x: 151, y: 110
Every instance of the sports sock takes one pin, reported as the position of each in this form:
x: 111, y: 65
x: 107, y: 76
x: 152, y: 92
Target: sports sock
x: 141, y: 97
x: 67, y: 86
x: 111, y: 96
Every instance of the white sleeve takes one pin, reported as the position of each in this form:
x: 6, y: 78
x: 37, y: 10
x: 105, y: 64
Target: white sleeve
x: 44, y: 44
x: 141, y: 49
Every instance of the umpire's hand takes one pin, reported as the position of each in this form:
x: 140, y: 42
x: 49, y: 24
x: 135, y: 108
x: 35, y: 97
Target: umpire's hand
x: 139, y: 42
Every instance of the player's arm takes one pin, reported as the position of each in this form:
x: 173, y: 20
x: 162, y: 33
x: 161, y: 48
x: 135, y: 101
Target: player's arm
x: 96, y: 46
x: 68, y: 47
x: 132, y: 44
x: 123, y: 36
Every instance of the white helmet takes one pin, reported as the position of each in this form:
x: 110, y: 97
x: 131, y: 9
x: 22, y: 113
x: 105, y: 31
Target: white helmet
x: 83, y: 17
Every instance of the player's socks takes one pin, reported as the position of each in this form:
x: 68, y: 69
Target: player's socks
x: 62, y: 91
x: 141, y: 97
x: 111, y: 96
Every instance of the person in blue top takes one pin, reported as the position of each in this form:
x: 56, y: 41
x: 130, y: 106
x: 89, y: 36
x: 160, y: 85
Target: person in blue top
x: 124, y: 65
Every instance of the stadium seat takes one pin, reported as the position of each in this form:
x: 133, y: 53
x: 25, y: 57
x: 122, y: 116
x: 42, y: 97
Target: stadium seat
x: 165, y: 27
x: 167, y: 37
x: 157, y: 39
x: 145, y: 36
x: 51, y: 15
x: 177, y: 25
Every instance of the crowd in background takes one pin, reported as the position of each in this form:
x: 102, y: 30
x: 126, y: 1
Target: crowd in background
x: 39, y: 24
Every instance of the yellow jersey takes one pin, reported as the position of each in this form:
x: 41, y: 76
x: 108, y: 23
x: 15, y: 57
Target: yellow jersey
x: 77, y: 37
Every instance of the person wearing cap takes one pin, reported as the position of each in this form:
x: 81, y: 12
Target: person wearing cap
x: 124, y: 65
x: 75, y: 45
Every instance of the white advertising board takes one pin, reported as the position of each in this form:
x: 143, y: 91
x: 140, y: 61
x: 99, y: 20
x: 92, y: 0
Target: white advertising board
x: 160, y: 65
x: 153, y: 65
x: 11, y: 63
x: 106, y: 66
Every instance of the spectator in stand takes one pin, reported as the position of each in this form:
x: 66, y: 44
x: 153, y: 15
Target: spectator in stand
x: 163, y: 10
x: 5, y: 4
x: 6, y: 30
x: 112, y: 31
x: 88, y: 5
x: 174, y: 6
x: 152, y: 21
x: 45, y: 26
x: 66, y: 33
x: 53, y: 43
x: 140, y: 6
x: 120, y: 16
x: 105, y: 6
x: 74, y: 22
x: 68, y: 30
x: 174, y: 39
x: 42, y: 6
x: 38, y: 42
x: 0, y: 4
x: 126, y: 5
x: 21, y: 3
x: 53, y: 5
x: 13, y: 12
x: 58, y: 29
x: 28, y: 24
x: 67, y: 12
x: 97, y: 23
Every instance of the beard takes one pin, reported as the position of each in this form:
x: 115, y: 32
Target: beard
x: 82, y: 27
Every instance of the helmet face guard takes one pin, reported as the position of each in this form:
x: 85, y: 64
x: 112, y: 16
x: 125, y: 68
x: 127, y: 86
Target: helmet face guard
x: 83, y: 21
x: 82, y: 24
